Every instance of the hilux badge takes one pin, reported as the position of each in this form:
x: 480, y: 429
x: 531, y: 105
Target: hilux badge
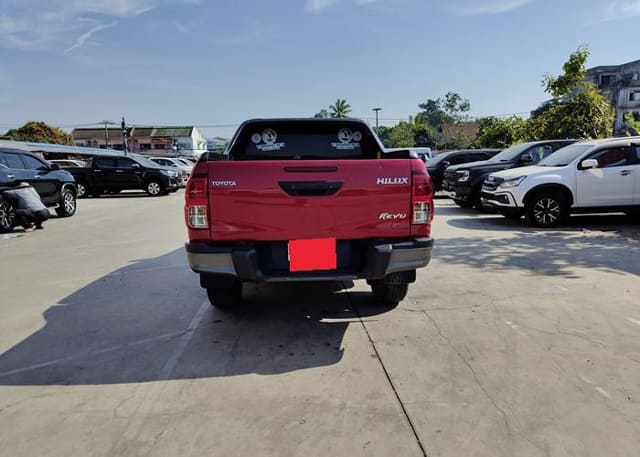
x: 380, y: 181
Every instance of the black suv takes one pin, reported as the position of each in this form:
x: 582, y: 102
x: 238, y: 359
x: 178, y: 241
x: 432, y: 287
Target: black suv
x: 56, y: 187
x: 463, y: 183
x: 437, y: 165
x: 112, y: 174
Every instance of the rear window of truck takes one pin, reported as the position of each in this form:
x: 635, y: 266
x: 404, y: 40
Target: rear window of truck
x: 304, y: 140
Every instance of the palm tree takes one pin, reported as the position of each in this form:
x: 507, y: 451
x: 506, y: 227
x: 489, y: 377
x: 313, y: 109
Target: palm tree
x: 340, y: 109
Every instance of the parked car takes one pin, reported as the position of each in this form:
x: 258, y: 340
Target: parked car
x: 308, y: 200
x: 587, y: 177
x: 185, y: 170
x: 112, y: 174
x: 56, y: 187
x: 439, y: 163
x: 425, y: 154
x: 463, y: 183
x: 67, y: 163
x: 187, y: 162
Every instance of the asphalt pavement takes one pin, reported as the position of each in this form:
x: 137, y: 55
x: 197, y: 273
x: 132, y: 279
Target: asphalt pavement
x: 513, y: 342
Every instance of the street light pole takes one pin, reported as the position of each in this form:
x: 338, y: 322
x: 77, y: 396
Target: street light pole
x: 377, y: 110
x: 106, y: 132
x: 123, y: 125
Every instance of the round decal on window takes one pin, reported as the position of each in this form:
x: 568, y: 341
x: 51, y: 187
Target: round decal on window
x: 357, y: 136
x: 345, y: 135
x: 256, y: 138
x: 269, y: 136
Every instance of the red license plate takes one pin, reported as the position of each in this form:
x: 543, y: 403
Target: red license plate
x: 312, y: 255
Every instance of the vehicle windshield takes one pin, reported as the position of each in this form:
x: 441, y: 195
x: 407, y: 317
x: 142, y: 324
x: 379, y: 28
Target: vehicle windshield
x: 511, y: 153
x: 145, y: 162
x: 565, y: 156
x: 438, y: 159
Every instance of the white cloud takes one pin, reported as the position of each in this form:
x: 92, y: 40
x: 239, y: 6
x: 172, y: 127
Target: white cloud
x: 66, y: 24
x: 82, y: 39
x: 318, y: 6
x: 484, y: 7
x: 617, y: 10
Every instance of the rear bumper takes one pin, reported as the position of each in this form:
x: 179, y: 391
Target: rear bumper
x: 244, y: 262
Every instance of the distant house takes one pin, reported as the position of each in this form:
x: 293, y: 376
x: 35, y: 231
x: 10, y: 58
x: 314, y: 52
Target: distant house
x: 462, y: 131
x: 621, y: 84
x: 156, y: 140
x: 98, y: 138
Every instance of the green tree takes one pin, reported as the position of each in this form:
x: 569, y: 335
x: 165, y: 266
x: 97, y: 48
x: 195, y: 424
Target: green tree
x: 631, y: 124
x: 500, y: 133
x: 323, y: 113
x: 448, y: 110
x: 401, y: 136
x: 340, y: 109
x: 40, y: 132
x: 578, y: 109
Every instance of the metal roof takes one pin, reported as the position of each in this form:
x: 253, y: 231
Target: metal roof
x: 57, y: 148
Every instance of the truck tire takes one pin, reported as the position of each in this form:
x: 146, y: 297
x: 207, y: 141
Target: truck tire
x: 389, y: 294
x: 225, y: 296
x: 7, y: 215
x: 83, y: 190
x: 154, y: 188
x: 68, y: 203
x: 546, y: 209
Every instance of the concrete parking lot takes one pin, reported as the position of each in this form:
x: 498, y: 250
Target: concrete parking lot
x: 513, y: 342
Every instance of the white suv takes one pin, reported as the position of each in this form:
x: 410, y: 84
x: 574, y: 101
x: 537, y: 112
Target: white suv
x: 587, y: 177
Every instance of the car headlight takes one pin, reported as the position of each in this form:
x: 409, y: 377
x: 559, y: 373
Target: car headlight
x: 463, y: 175
x: 510, y: 183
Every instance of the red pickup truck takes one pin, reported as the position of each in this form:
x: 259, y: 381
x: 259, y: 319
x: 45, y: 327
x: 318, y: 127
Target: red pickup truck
x: 308, y: 200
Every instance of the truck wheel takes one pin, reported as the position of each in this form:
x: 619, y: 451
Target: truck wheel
x: 154, y: 188
x: 68, y: 203
x: 389, y: 294
x: 463, y: 203
x: 83, y: 191
x: 7, y: 215
x: 225, y: 297
x: 546, y: 209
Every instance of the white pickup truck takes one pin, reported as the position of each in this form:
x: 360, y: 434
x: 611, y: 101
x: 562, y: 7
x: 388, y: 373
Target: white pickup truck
x: 594, y: 176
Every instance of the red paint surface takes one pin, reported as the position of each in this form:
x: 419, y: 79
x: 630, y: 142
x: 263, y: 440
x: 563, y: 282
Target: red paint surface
x: 312, y: 255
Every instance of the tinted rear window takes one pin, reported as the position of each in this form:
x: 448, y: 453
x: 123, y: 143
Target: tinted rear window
x: 304, y: 140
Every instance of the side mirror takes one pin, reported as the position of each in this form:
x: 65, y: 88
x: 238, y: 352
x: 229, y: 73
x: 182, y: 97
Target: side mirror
x: 588, y: 164
x: 54, y: 166
x: 526, y: 158
x: 446, y: 163
x: 135, y: 166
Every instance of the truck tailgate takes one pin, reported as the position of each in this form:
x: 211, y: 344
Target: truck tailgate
x: 292, y: 199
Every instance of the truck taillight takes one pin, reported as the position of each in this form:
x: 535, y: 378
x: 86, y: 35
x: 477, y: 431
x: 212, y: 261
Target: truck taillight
x: 422, y: 199
x: 196, y: 208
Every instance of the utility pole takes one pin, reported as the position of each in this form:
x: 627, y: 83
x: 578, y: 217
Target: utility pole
x: 123, y: 126
x: 377, y: 110
x: 106, y: 132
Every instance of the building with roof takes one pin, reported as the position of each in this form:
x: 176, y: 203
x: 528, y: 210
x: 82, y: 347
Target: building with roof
x: 153, y: 140
x: 621, y: 84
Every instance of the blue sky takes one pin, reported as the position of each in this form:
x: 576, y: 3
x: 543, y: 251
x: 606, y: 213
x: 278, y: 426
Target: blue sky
x: 71, y: 62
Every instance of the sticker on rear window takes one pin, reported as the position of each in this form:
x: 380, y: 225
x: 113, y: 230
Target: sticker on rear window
x: 345, y: 136
x: 269, y: 136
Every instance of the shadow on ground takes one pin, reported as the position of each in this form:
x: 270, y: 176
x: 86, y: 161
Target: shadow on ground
x: 137, y: 325
x: 607, y: 243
